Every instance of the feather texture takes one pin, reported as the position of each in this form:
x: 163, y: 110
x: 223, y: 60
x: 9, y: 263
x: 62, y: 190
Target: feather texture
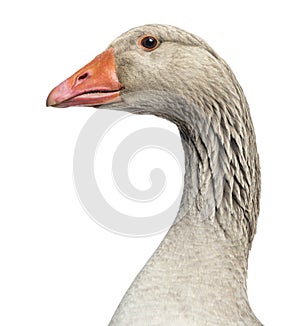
x: 197, y: 276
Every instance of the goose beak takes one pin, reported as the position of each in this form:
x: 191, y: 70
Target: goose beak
x: 95, y: 84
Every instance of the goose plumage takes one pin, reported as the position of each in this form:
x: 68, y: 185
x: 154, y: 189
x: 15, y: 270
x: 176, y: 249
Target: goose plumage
x: 197, y: 275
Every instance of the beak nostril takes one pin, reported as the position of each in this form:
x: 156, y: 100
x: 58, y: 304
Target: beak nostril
x: 83, y: 76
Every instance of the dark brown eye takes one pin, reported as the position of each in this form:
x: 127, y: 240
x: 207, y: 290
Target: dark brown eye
x: 148, y: 43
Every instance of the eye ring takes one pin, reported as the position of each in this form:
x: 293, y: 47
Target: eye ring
x: 148, y: 43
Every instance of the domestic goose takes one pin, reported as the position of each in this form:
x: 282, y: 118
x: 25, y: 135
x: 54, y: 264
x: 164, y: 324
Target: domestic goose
x: 197, y: 275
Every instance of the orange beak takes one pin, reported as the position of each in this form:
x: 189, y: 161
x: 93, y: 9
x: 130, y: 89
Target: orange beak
x: 95, y: 84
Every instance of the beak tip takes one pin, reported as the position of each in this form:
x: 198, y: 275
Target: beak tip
x: 50, y: 101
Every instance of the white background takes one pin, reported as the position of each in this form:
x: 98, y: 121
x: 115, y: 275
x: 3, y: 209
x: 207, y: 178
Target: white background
x: 57, y: 266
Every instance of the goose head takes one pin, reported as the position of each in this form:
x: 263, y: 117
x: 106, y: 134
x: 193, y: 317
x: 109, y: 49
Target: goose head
x: 167, y: 72
x: 149, y: 58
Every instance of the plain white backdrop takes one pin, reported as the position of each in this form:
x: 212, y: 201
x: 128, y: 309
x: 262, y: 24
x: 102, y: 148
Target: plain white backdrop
x: 57, y: 266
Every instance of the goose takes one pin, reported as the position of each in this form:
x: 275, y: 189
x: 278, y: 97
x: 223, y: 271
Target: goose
x: 198, y: 274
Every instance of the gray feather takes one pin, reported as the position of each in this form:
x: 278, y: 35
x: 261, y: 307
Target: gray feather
x: 197, y: 276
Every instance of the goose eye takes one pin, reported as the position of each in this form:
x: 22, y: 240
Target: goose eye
x: 148, y: 43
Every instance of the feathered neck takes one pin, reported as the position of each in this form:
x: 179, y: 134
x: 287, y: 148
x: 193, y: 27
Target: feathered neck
x: 200, y: 267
